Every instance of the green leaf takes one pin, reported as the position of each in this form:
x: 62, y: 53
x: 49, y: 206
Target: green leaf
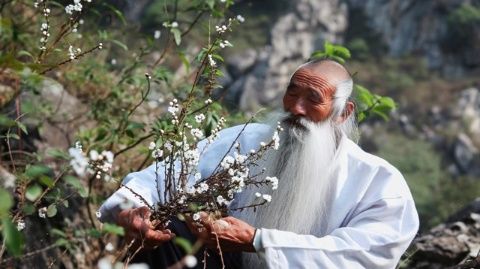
x: 6, y: 121
x: 177, y: 35
x: 6, y: 201
x: 388, y: 102
x: 33, y: 192
x: 58, y: 232
x: 95, y: 233
x: 51, y: 210
x: 61, y: 242
x: 210, y: 3
x: 29, y: 209
x: 22, y: 127
x: 363, y: 96
x: 46, y: 180
x: 218, y: 57
x: 76, y: 184
x: 183, y: 243
x: 58, y: 153
x: 120, y: 44
x: 113, y: 229
x: 185, y: 61
x: 12, y: 237
x: 25, y: 53
x: 34, y: 171
x: 14, y: 136
x: 341, y: 51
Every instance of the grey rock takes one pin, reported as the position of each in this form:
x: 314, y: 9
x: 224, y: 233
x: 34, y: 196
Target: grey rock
x: 449, y: 244
x: 238, y: 64
x: 421, y: 28
x: 69, y: 115
x: 464, y: 152
x: 294, y: 37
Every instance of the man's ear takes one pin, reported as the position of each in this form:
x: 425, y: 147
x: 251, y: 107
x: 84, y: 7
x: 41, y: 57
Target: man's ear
x: 347, y: 112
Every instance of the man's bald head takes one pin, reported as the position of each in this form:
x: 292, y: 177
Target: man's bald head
x: 332, y: 71
x: 319, y: 90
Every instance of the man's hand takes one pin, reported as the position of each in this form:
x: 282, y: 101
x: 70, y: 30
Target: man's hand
x: 138, y: 226
x: 232, y: 234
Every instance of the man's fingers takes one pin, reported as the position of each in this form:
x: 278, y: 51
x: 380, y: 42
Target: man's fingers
x: 159, y: 236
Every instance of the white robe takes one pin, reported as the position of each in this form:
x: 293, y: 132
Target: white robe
x: 372, y: 221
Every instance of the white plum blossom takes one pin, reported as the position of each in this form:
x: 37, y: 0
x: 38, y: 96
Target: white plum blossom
x: 157, y: 34
x: 211, y: 61
x: 267, y: 198
x: 240, y: 18
x: 77, y: 6
x: 257, y: 194
x: 196, y: 133
x: 198, y: 176
x: 78, y: 162
x: 190, y: 261
x: 42, y: 212
x: 239, y: 158
x: 174, y: 24
x: 227, y: 162
x: 20, y: 224
x: 208, y: 101
x: 152, y: 146
x: 182, y: 199
x: 199, y: 118
x: 276, y: 140
x: 73, y: 53
x: 273, y: 181
x: 109, y: 247
x: 191, y: 157
x: 173, y: 108
x: 157, y: 153
x: 222, y: 201
x: 225, y: 43
x: 203, y: 187
x: 168, y: 146
x: 93, y: 155
x: 221, y: 29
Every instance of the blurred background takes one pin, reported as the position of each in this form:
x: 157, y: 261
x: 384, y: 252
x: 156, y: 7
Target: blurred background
x: 423, y: 54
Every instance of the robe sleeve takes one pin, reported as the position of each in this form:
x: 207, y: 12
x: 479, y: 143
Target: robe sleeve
x: 374, y: 238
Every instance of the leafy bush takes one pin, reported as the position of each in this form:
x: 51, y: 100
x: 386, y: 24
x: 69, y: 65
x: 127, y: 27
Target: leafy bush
x: 436, y: 196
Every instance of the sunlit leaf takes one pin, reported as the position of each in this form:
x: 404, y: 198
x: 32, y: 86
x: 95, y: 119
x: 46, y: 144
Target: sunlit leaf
x: 75, y: 183
x: 6, y: 201
x: 113, y: 229
x: 183, y: 243
x: 177, y: 35
x: 12, y: 237
x: 120, y: 44
x: 33, y: 192
x: 51, y: 210
x: 34, y: 171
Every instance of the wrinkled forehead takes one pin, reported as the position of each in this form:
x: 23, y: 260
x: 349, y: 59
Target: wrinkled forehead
x: 308, y: 78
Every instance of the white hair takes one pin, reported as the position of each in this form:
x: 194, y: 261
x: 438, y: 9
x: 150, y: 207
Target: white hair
x: 341, y: 97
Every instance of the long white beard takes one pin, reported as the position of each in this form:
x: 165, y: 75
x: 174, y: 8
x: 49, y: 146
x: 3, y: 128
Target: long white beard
x: 302, y: 201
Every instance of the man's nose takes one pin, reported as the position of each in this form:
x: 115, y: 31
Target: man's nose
x: 298, y: 108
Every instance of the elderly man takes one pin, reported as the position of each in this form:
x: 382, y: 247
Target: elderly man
x: 336, y: 206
